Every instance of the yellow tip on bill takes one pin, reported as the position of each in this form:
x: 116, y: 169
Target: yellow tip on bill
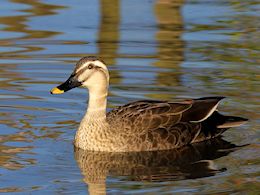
x: 55, y: 90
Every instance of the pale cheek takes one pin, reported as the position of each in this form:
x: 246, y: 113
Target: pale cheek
x: 83, y: 77
x: 85, y: 84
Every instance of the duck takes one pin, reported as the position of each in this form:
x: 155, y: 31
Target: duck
x: 144, y: 125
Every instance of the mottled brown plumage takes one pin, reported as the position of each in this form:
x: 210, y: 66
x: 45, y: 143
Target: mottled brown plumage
x: 146, y: 125
x: 160, y: 125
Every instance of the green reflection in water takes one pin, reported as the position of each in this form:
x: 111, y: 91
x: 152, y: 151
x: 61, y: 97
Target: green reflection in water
x: 170, y: 49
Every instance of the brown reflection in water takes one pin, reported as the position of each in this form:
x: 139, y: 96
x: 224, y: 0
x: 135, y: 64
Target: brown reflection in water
x: 21, y: 122
x: 10, y: 189
x: 8, y: 77
x: 109, y: 35
x: 25, y: 133
x: 170, y: 45
x: 18, y: 24
x: 8, y: 154
x: 9, y: 158
x: 190, y: 162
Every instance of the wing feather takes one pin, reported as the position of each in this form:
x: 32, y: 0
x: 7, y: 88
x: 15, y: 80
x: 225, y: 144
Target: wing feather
x: 161, y: 124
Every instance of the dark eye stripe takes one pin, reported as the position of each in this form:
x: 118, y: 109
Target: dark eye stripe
x: 81, y: 71
x: 87, y: 68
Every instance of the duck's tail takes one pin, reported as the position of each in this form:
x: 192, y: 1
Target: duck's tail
x: 216, y: 124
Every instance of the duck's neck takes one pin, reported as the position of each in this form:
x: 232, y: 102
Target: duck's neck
x: 97, y: 104
x: 93, y: 126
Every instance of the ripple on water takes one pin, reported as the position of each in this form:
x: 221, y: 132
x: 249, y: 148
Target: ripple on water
x: 165, y: 50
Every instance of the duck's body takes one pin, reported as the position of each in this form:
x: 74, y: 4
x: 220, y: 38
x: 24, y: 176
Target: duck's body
x: 143, y: 125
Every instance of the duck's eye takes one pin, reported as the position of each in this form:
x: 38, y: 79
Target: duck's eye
x: 90, y: 66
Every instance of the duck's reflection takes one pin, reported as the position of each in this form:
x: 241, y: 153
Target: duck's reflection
x: 194, y: 161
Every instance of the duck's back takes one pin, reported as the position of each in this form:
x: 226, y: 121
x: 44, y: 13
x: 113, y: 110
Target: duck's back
x: 158, y: 125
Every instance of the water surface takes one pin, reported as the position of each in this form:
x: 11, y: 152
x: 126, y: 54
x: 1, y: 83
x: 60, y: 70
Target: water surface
x: 155, y: 50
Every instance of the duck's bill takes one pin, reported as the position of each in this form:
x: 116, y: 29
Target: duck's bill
x: 71, y: 83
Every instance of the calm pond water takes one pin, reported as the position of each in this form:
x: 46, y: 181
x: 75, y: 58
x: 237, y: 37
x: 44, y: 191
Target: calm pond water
x: 155, y: 50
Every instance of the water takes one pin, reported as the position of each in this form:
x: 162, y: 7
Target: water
x: 155, y: 50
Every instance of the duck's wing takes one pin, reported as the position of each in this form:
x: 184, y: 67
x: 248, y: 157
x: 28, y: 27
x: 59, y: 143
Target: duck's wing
x: 201, y: 109
x: 149, y: 108
x: 152, y: 113
x: 161, y: 124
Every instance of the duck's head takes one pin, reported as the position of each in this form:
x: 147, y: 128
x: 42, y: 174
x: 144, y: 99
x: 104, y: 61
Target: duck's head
x: 90, y: 72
